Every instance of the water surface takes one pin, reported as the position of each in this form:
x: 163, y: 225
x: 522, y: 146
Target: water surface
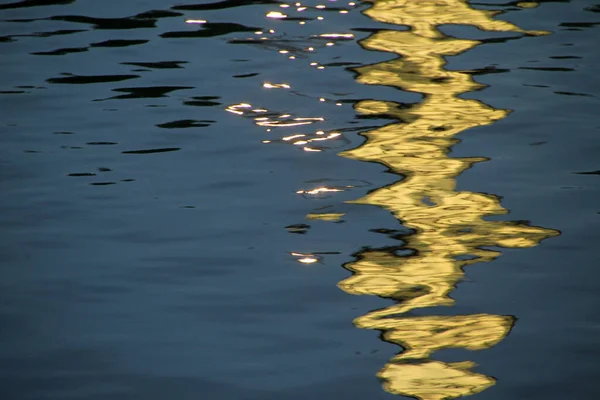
x: 187, y: 187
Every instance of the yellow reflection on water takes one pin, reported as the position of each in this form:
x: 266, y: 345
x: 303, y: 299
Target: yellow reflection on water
x: 450, y: 230
x: 425, y: 16
x: 333, y: 217
x: 434, y: 380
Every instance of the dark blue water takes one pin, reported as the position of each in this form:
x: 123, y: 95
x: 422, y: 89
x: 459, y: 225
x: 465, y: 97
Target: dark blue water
x: 185, y: 205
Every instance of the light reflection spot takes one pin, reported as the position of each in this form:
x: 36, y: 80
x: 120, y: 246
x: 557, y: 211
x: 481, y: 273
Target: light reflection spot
x: 276, y: 15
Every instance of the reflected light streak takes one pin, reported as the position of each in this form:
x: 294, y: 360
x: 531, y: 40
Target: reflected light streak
x: 305, y: 258
x: 276, y: 15
x: 280, y: 123
x: 310, y: 119
x: 331, y: 217
x: 305, y: 139
x: 293, y: 137
x: 449, y: 229
x: 283, y: 120
x: 268, y: 85
x: 337, y: 36
x: 319, y: 190
x: 195, y: 21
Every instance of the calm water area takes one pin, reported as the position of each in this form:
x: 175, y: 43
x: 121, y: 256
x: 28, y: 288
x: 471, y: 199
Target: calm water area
x: 260, y: 200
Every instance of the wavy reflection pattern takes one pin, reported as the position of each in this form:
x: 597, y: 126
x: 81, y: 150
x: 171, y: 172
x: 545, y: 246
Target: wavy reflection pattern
x: 450, y: 232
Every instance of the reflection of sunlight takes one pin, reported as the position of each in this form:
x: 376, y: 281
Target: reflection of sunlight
x: 319, y: 190
x: 305, y: 258
x: 268, y: 85
x: 337, y: 35
x: 424, y: 16
x: 450, y: 230
x: 271, y: 119
x: 434, y: 380
x: 276, y: 15
x: 308, y: 142
x: 333, y: 217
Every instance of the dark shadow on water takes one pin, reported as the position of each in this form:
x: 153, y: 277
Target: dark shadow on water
x: 86, y: 79
x: 221, y: 5
x: 185, y: 123
x: 158, y: 64
x: 152, y: 151
x: 150, y: 92
x: 34, y: 3
x: 211, y: 30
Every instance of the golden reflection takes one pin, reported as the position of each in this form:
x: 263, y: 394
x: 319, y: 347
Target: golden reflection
x: 425, y: 16
x: 434, y: 380
x: 528, y: 4
x: 332, y: 217
x: 450, y: 230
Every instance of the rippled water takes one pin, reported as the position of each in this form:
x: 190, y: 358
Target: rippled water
x: 186, y: 187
